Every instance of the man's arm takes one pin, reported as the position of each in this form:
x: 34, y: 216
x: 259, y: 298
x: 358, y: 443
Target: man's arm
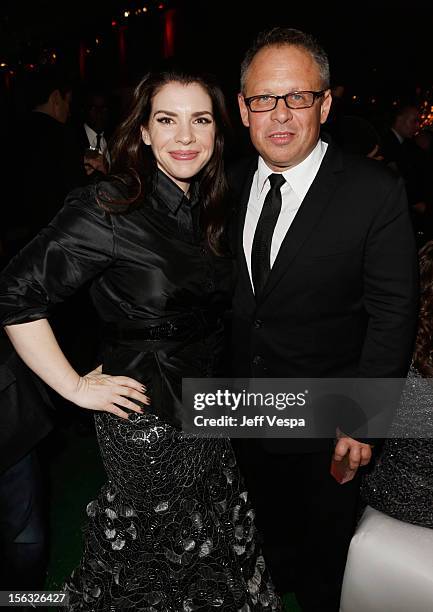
x: 390, y: 290
x: 390, y: 298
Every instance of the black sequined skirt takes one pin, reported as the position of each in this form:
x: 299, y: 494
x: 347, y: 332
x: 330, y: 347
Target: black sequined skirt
x: 172, y: 530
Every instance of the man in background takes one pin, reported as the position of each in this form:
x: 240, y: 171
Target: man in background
x: 44, y: 162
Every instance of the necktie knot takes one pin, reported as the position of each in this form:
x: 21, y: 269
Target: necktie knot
x: 276, y: 181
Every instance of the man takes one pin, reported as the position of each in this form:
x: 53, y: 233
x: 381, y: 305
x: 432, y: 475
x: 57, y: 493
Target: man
x: 404, y: 126
x: 401, y: 153
x: 92, y: 131
x: 326, y: 288
x: 45, y: 162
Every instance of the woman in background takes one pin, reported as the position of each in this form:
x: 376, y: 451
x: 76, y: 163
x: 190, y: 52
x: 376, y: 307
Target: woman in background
x: 401, y: 483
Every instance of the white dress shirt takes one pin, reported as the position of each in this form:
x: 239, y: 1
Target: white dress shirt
x: 298, y: 182
x: 92, y: 137
x: 397, y: 135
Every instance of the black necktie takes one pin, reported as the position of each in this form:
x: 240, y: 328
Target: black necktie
x: 98, y: 140
x: 261, y: 250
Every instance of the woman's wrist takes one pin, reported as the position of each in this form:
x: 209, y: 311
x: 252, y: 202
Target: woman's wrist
x: 70, y: 386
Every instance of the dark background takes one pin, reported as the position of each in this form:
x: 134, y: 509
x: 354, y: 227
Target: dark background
x: 381, y: 51
x: 370, y: 43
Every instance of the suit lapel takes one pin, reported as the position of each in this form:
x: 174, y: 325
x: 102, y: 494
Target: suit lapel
x: 307, y: 217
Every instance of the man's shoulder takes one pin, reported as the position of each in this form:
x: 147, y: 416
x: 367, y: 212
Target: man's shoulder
x: 363, y: 183
x: 370, y: 171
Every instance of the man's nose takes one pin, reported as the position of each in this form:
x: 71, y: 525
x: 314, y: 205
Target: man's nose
x: 282, y: 112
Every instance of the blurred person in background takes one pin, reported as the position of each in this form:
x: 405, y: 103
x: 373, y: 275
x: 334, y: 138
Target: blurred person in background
x: 93, y: 129
x: 401, y: 153
x: 25, y: 420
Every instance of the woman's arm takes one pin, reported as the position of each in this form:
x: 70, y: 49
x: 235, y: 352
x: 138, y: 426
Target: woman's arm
x: 38, y: 348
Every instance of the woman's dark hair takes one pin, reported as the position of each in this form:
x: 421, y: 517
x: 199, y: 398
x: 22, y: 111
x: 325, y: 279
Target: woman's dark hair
x: 423, y: 356
x: 133, y: 163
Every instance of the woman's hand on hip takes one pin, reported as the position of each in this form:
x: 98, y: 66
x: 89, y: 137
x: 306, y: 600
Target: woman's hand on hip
x: 97, y: 391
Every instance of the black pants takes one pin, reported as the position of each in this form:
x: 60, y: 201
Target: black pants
x: 22, y: 527
x: 306, y: 518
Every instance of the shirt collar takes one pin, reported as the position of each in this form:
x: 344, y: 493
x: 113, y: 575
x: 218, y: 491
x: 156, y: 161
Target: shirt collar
x: 299, y: 177
x: 172, y: 195
x: 91, y: 131
x: 398, y: 136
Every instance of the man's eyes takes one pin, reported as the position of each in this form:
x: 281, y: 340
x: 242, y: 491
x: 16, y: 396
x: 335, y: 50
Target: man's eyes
x: 297, y: 97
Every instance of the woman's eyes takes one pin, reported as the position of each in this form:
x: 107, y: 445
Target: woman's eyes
x: 165, y: 120
x: 203, y: 120
x: 198, y: 120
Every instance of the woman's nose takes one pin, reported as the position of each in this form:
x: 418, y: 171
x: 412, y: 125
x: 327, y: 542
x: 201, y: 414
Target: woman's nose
x: 185, y: 134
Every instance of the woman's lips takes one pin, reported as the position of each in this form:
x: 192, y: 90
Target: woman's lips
x: 184, y: 155
x: 281, y: 138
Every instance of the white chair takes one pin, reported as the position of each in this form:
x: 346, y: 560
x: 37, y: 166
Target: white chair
x: 389, y: 567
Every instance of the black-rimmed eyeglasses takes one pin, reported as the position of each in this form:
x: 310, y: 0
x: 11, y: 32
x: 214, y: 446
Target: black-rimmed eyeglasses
x: 294, y: 99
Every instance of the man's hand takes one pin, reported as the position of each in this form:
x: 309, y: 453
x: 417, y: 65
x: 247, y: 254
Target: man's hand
x: 358, y: 453
x: 95, y: 162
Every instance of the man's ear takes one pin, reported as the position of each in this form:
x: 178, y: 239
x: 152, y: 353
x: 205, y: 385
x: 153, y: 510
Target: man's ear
x: 243, y: 110
x: 56, y: 104
x: 145, y: 136
x: 55, y: 98
x: 325, y: 107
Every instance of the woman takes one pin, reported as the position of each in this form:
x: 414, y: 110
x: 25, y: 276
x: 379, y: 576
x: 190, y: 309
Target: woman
x: 401, y: 483
x: 172, y: 529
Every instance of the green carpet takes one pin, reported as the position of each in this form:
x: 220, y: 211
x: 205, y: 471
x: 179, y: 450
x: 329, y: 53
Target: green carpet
x: 76, y: 474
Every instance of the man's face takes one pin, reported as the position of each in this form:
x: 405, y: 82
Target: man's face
x: 97, y: 113
x: 407, y: 124
x: 284, y: 137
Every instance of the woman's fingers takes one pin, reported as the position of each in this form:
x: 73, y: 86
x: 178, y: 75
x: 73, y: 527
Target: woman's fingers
x: 117, y: 411
x: 125, y: 381
x: 132, y: 393
x: 126, y: 403
x: 112, y: 394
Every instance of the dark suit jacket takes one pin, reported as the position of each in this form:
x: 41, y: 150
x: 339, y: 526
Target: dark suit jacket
x: 341, y: 298
x: 411, y: 163
x: 25, y: 409
x: 50, y: 166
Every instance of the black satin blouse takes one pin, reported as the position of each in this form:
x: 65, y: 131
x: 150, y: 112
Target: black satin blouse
x: 150, y: 267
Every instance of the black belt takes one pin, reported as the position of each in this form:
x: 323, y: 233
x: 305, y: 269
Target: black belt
x: 198, y: 322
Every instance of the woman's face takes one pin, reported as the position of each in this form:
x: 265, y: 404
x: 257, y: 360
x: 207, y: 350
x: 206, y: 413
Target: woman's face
x: 181, y: 131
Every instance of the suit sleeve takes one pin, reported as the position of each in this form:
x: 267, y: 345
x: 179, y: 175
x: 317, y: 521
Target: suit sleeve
x: 390, y: 290
x: 75, y: 247
x: 391, y: 302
